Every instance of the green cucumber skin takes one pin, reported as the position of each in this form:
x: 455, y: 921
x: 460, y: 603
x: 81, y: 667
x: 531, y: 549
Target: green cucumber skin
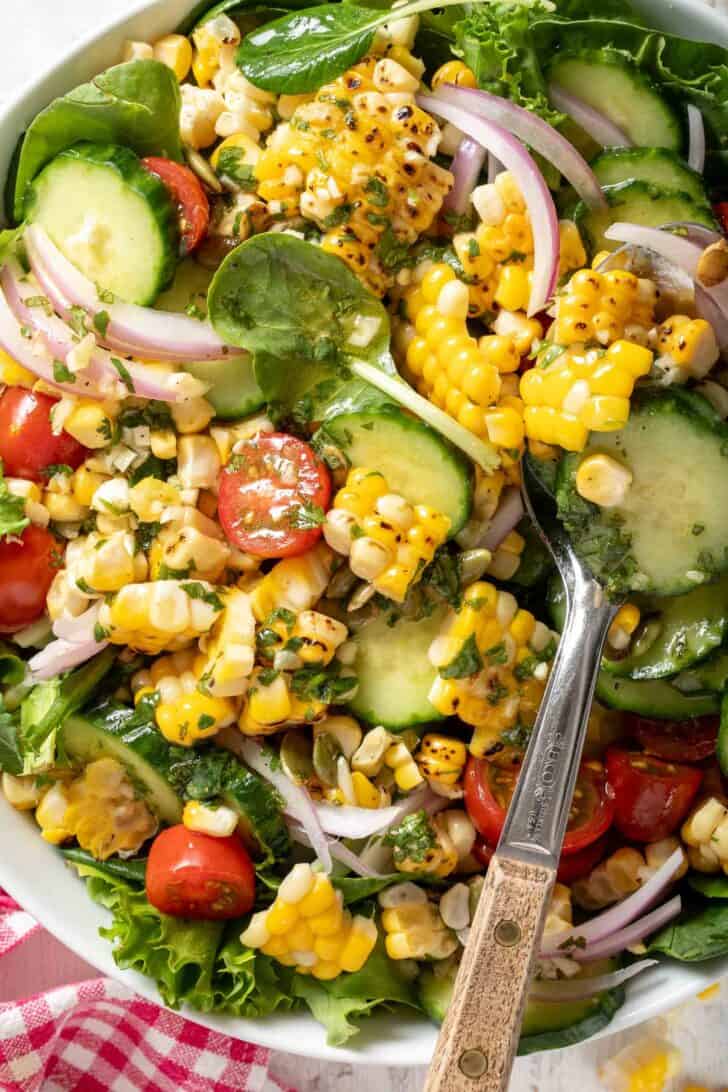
x: 356, y: 435
x: 140, y: 182
x: 606, y: 1005
x: 647, y: 119
x: 233, y: 392
x: 641, y: 203
x: 258, y: 806
x: 721, y: 749
x: 655, y: 166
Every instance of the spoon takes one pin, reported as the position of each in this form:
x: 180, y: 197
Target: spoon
x: 478, y: 1039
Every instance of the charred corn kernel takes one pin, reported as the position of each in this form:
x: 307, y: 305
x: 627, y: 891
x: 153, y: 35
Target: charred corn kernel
x: 271, y: 703
x: 357, y: 163
x: 192, y: 415
x: 164, y: 614
x: 310, y: 929
x: 645, y: 1066
x: 106, y: 563
x: 493, y: 661
x: 369, y: 756
x: 389, y: 555
x: 174, y: 50
x: 22, y: 793
x: 215, y: 41
x: 441, y: 759
x: 13, y: 374
x: 247, y: 150
x: 150, y: 498
x: 603, y: 480
x: 137, y: 51
x: 163, y: 443
x: 89, y: 423
x: 185, y: 713
x: 581, y: 390
x: 63, y: 508
x: 705, y: 832
x: 230, y: 647
x: 436, y: 852
x: 686, y: 348
x: 625, y: 623
x: 104, y: 813
x: 193, y: 546
x: 314, y: 636
x: 602, y: 306
x: 454, y: 72
x: 50, y: 815
x: 294, y: 584
x: 416, y: 931
x: 218, y: 822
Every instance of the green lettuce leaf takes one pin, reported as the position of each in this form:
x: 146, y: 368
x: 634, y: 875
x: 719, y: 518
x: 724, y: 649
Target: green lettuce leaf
x: 351, y: 996
x: 700, y: 932
x: 13, y: 519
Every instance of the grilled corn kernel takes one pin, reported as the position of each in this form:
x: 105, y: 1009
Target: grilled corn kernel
x: 218, y: 822
x: 163, y: 443
x: 164, y: 614
x: 441, y: 759
x: 603, y: 481
x: 686, y: 348
x: 22, y: 793
x: 705, y: 832
x: 89, y: 423
x: 294, y: 584
x: 150, y: 498
x: 175, y: 51
x: 104, y: 813
x: 63, y: 508
x: 625, y: 623
x: 230, y: 647
x: 454, y: 72
x: 13, y: 374
x: 601, y: 306
x: 415, y: 930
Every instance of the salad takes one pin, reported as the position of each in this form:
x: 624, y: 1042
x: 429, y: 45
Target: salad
x: 288, y: 297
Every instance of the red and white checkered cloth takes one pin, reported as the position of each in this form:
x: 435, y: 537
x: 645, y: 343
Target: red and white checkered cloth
x: 98, y: 1036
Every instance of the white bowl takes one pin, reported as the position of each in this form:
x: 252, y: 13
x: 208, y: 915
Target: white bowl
x: 36, y: 876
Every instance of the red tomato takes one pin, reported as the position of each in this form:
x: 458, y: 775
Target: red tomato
x: 186, y: 191
x: 572, y: 866
x: 27, y: 568
x: 721, y: 211
x: 192, y: 875
x: 488, y: 792
x: 27, y: 444
x: 272, y: 496
x: 652, y: 797
x: 676, y: 740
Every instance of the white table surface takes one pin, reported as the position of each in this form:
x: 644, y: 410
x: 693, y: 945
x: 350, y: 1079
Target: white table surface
x: 34, y: 33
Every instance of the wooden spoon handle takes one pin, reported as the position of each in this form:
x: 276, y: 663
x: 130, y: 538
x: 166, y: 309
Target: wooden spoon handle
x: 479, y: 1037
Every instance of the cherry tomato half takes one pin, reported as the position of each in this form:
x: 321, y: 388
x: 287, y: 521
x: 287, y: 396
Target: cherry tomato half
x: 192, y: 875
x: 652, y: 797
x: 27, y: 568
x: 27, y: 444
x: 186, y: 191
x: 273, y: 494
x: 488, y: 792
x: 676, y: 740
x: 572, y: 866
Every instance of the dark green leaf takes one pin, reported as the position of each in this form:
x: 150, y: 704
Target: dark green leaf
x: 412, y: 839
x: 712, y: 887
x: 701, y: 932
x: 467, y: 662
x: 13, y: 519
x: 11, y: 757
x: 132, y: 871
x: 356, y: 888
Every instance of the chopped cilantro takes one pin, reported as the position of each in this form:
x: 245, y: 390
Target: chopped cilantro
x: 78, y: 321
x: 144, y: 536
x: 232, y: 166
x: 56, y: 468
x: 13, y: 519
x: 195, y: 590
x: 100, y: 634
x: 377, y: 192
x: 101, y: 322
x: 412, y: 840
x: 467, y: 662
x: 123, y: 373
x: 307, y: 516
x: 205, y: 721
x: 62, y: 373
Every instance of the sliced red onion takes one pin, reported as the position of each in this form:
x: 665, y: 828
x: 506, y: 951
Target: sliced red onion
x: 579, y: 989
x: 353, y: 822
x: 532, y: 130
x: 696, y: 139
x: 131, y: 329
x: 75, y: 644
x: 466, y: 167
x: 632, y: 934
x: 509, y: 514
x: 298, y: 804
x: 544, y: 222
x: 593, y: 122
x: 339, y: 852
x: 572, y: 941
x: 495, y: 167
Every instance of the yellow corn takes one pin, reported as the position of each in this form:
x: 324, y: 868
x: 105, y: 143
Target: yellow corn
x: 442, y: 759
x: 416, y: 931
x: 184, y: 713
x: 85, y: 482
x: 218, y: 822
x: 230, y: 647
x: 454, y: 72
x: 64, y: 508
x: 311, y: 636
x: 295, y: 583
x: 346, y: 162
x: 705, y: 832
x: 604, y: 307
x: 603, y: 480
x: 248, y: 150
x: 271, y: 703
x: 163, y: 443
x: 686, y: 348
x: 367, y: 794
x: 89, y: 423
x: 175, y: 51
x: 192, y: 415
x: 106, y: 563
x: 164, y: 614
x: 388, y: 541
x: 193, y: 546
x: 50, y: 815
x: 308, y: 928
x: 581, y: 390
x: 623, y: 872
x: 150, y: 498
x: 507, y: 558
x: 104, y: 813
x: 625, y: 623
x: 13, y: 374
x: 406, y: 771
x: 493, y: 661
x: 645, y: 1066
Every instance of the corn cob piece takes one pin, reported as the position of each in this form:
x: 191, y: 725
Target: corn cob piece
x: 622, y: 873
x: 294, y: 584
x: 493, y: 661
x: 705, y: 832
x: 184, y: 713
x: 388, y: 541
x: 163, y: 615
x: 358, y: 162
x: 271, y: 703
x: 229, y: 647
x: 308, y: 928
x: 413, y: 926
x: 604, y: 307
x: 581, y: 390
x: 106, y: 563
x: 441, y: 759
x: 686, y: 348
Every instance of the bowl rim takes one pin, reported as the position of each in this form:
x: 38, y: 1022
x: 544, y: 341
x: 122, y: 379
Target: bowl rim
x: 71, y: 916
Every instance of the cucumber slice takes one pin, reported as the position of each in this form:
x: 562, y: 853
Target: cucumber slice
x: 414, y: 459
x: 188, y: 290
x: 676, y: 632
x: 658, y: 166
x: 711, y: 674
x: 233, y: 389
x: 141, y: 749
x: 260, y: 811
x: 721, y: 749
x: 617, y: 88
x: 670, y: 533
x: 110, y: 217
x: 394, y: 671
x: 638, y: 202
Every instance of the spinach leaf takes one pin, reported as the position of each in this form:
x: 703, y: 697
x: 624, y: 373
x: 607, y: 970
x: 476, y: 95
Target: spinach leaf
x: 303, y: 51
x: 11, y: 758
x: 303, y: 314
x: 136, y: 104
x: 132, y: 871
x: 712, y: 887
x: 356, y: 888
x: 246, y: 14
x: 701, y: 932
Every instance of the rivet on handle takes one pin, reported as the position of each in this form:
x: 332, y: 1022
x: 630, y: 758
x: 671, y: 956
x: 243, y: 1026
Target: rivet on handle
x: 507, y: 933
x: 473, y: 1063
